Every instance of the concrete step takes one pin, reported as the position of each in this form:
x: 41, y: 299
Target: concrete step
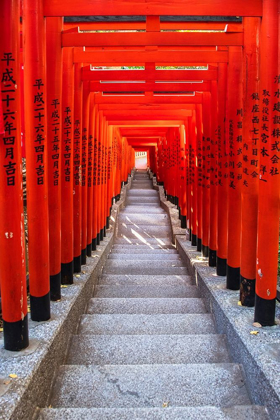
x: 144, y: 267
x: 162, y: 255
x: 147, y: 349
x: 145, y: 242
x: 135, y: 291
x: 133, y: 231
x: 134, y: 386
x: 146, y: 306
x: 142, y: 210
x: 144, y: 280
x: 143, y: 200
x: 247, y: 412
x: 138, y: 250
x: 135, y: 324
x: 144, y: 219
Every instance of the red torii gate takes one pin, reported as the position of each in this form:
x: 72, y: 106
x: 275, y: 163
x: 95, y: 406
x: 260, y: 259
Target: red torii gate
x: 222, y: 136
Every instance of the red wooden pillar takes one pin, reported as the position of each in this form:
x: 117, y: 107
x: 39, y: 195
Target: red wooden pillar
x: 206, y: 150
x: 183, y: 178
x: 86, y: 95
x: 67, y: 214
x: 99, y: 164
x: 91, y: 132
x: 36, y: 157
x: 222, y: 173
x: 12, y: 241
x: 234, y: 139
x: 193, y: 178
x: 250, y: 184
x: 213, y: 236
x: 77, y: 159
x: 109, y: 176
x: 199, y: 176
x: 95, y: 187
x: 268, y: 215
x: 54, y: 98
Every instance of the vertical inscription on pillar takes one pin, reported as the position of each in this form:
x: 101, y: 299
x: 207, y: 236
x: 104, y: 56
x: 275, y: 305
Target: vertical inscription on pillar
x: 8, y: 90
x: 66, y: 143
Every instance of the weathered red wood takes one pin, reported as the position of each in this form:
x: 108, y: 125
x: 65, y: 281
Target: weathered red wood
x: 36, y: 158
x: 149, y: 87
x: 140, y: 57
x: 222, y: 173
x: 152, y: 7
x: 144, y: 75
x: 250, y: 180
x: 77, y: 163
x: 67, y: 175
x: 12, y: 241
x: 199, y: 175
x: 90, y: 145
x: 54, y: 97
x: 213, y: 179
x: 147, y: 123
x: 268, y: 214
x: 148, y: 99
x: 83, y: 39
x: 234, y: 140
x: 147, y: 115
x: 128, y: 26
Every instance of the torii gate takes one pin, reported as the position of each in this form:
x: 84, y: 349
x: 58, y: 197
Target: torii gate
x: 212, y: 137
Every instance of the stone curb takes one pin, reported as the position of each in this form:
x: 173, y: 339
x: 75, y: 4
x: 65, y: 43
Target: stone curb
x: 258, y: 352
x: 36, y: 366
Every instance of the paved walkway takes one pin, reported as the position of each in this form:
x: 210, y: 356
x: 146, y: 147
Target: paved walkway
x: 146, y: 348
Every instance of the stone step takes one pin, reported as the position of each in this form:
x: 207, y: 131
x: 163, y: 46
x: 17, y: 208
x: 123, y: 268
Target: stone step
x: 142, y: 210
x: 142, y: 193
x: 143, y: 200
x: 144, y: 267
x: 145, y: 242
x: 144, y: 219
x: 147, y: 349
x: 138, y: 250
x: 247, y: 412
x: 123, y: 386
x: 144, y: 280
x: 133, y: 231
x: 146, y: 306
x: 162, y: 255
x: 135, y: 324
x: 142, y: 203
x: 137, y: 291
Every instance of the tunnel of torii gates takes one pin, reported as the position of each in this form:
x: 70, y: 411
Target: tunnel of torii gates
x: 194, y: 83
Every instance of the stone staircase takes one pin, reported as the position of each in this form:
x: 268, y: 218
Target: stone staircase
x: 146, y: 348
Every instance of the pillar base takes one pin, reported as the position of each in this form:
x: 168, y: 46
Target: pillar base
x: 183, y: 222
x: 16, y: 335
x: 233, y: 278
x: 247, y: 291
x: 40, y: 307
x: 265, y: 311
x: 198, y: 244
x: 160, y: 183
x: 176, y: 201
x: 194, y: 240
x: 221, y: 266
x: 104, y: 232
x: 168, y: 196
x: 212, y: 258
x: 101, y: 235
x: 190, y: 234
x: 84, y: 256
x: 67, y: 271
x: 77, y: 264
x: 205, y: 251
x: 55, y: 290
x: 108, y: 222
x: 94, y: 244
x: 98, y: 239
x: 89, y: 249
